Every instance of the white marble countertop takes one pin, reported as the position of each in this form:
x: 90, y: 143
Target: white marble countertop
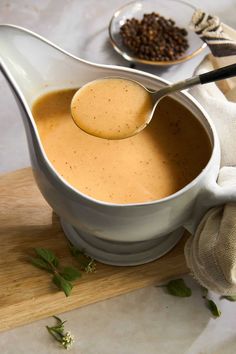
x: 148, y: 320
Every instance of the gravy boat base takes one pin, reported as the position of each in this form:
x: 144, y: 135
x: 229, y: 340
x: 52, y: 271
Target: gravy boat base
x: 121, y: 253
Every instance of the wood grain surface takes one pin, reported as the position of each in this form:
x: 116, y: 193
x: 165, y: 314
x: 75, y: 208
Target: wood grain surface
x: 27, y: 293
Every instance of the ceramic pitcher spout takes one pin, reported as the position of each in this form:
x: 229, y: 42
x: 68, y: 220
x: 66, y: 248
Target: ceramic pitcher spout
x: 32, y: 63
x: 33, y: 66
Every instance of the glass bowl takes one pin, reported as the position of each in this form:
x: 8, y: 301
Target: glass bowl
x: 179, y: 11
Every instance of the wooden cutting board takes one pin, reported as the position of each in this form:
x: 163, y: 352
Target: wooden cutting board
x: 27, y: 293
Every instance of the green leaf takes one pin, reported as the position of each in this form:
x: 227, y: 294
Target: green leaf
x: 70, y: 273
x: 57, y: 336
x: 229, y: 297
x: 58, y: 330
x: 55, y: 262
x: 59, y: 321
x: 213, y: 308
x: 178, y: 287
x: 76, y: 252
x: 40, y: 263
x: 46, y: 254
x: 62, y: 284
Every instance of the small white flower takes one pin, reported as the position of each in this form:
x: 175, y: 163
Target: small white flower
x: 67, y: 340
x: 90, y: 267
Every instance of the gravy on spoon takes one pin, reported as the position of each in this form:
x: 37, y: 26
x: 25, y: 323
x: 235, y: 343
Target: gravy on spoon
x: 111, y: 108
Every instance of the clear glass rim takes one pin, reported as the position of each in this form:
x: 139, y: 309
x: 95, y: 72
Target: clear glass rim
x: 130, y: 58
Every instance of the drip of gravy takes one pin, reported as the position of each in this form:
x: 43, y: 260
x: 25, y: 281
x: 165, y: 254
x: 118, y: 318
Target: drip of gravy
x: 151, y: 165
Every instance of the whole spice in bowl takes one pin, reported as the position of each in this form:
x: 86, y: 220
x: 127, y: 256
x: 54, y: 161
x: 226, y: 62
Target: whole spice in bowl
x: 155, y: 32
x: 154, y: 38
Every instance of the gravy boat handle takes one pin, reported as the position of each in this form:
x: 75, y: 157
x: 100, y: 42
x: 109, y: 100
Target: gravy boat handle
x: 213, y: 195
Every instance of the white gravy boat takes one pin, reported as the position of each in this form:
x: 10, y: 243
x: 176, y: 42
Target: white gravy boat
x: 116, y: 234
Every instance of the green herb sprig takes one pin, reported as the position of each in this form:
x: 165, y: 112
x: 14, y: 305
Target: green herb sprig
x: 66, y: 339
x: 62, y: 277
x: 86, y: 263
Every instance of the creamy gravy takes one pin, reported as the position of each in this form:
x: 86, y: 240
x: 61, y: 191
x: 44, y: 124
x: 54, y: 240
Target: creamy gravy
x: 111, y: 108
x: 156, y: 163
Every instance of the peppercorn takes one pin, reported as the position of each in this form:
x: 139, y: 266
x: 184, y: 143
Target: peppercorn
x: 154, y: 38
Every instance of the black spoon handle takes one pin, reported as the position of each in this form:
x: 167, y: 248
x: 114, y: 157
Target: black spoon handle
x: 218, y: 74
x: 211, y: 76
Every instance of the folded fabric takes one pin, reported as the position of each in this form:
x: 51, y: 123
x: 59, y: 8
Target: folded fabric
x: 211, y: 252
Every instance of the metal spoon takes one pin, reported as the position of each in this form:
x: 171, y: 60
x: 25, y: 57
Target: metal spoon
x: 211, y: 76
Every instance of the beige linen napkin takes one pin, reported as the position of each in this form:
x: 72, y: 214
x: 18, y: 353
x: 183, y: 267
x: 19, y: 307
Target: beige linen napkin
x: 211, y: 252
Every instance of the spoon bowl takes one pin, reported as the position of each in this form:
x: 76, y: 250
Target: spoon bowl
x: 112, y: 108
